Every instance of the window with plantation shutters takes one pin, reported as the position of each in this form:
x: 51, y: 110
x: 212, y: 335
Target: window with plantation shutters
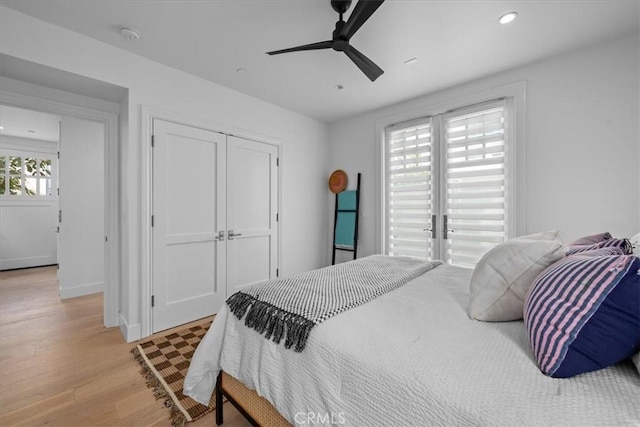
x: 446, y: 196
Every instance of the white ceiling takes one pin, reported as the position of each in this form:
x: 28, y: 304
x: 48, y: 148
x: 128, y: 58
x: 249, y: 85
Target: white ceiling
x: 454, y: 42
x: 29, y: 124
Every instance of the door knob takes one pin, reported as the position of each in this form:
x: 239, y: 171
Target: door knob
x: 231, y: 235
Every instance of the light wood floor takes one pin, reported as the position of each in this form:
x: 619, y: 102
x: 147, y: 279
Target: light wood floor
x: 60, y: 366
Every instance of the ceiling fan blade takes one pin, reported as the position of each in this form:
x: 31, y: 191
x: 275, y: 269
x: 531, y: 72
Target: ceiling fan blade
x: 365, y: 64
x: 313, y: 46
x: 361, y: 12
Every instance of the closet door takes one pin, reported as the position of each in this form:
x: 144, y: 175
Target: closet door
x: 252, y: 215
x: 189, y: 212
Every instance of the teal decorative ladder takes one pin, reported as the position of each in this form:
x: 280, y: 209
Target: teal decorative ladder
x: 345, y: 223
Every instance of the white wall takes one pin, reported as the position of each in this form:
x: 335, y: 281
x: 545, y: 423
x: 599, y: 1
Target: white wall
x: 581, y: 140
x: 304, y: 140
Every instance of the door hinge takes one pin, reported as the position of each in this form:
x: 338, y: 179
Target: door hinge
x: 60, y: 215
x: 58, y: 154
x: 58, y: 191
x: 277, y: 161
x: 277, y: 217
x: 277, y: 272
x: 153, y: 140
x: 153, y: 300
x: 106, y: 239
x: 152, y: 220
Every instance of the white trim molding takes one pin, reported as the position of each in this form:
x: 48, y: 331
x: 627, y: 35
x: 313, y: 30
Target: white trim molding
x: 130, y: 332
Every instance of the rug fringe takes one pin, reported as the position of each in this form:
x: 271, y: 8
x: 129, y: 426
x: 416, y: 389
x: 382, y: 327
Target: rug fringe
x: 177, y: 417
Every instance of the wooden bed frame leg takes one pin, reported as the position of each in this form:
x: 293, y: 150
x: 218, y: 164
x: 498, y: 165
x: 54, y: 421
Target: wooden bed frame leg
x: 219, y: 416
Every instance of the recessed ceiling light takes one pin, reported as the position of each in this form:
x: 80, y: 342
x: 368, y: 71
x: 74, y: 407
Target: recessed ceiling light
x: 338, y: 87
x: 1, y: 127
x: 508, y: 17
x: 411, y: 61
x: 130, y: 33
x: 31, y: 131
x: 241, y: 70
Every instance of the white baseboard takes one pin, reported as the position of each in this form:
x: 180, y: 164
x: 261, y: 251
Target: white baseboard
x: 82, y: 290
x: 15, y: 263
x: 130, y: 333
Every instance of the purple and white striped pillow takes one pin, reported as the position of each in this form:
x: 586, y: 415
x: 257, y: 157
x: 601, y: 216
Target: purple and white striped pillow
x: 583, y: 313
x: 590, y: 240
x: 611, y: 250
x: 623, y: 244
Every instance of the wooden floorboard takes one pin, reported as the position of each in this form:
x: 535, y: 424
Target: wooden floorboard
x: 59, y: 366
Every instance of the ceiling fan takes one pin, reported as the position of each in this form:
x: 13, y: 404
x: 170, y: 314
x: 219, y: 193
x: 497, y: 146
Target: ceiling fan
x: 343, y: 33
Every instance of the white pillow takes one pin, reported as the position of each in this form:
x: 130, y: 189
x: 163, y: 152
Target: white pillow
x: 503, y: 275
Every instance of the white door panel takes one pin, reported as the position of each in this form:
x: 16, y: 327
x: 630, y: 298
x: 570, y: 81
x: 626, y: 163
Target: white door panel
x: 251, y: 212
x: 189, y: 180
x: 249, y: 185
x: 249, y: 260
x: 191, y: 261
x: 81, y: 181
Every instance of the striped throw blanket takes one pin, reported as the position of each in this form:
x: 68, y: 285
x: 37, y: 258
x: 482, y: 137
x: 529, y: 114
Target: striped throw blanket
x: 290, y: 307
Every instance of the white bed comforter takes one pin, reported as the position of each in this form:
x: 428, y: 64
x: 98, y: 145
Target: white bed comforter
x: 412, y: 357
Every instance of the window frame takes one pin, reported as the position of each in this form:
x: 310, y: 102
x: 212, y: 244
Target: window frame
x: 442, y: 104
x: 8, y: 151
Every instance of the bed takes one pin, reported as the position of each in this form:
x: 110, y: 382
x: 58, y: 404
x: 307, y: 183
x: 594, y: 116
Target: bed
x: 411, y: 356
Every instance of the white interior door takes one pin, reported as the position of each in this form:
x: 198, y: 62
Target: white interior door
x: 189, y: 261
x: 81, y: 216
x: 252, y: 201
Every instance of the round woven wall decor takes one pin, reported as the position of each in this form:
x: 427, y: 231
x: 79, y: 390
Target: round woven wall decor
x: 338, y: 181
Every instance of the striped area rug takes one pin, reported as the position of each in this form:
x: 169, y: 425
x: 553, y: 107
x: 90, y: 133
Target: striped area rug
x: 164, y: 362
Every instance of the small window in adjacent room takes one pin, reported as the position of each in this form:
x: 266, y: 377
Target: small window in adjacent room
x: 25, y: 176
x: 446, y: 192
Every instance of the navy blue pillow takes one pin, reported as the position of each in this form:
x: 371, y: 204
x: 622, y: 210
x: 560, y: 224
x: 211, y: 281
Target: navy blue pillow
x: 583, y: 314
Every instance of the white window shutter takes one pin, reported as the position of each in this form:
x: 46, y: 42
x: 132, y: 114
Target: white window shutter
x: 474, y: 182
x: 409, y: 168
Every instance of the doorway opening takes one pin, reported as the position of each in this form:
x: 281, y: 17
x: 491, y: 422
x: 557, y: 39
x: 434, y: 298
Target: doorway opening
x: 28, y: 188
x: 52, y: 197
x: 47, y: 90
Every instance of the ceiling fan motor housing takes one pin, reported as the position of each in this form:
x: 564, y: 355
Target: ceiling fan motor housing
x: 340, y: 44
x: 340, y: 6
